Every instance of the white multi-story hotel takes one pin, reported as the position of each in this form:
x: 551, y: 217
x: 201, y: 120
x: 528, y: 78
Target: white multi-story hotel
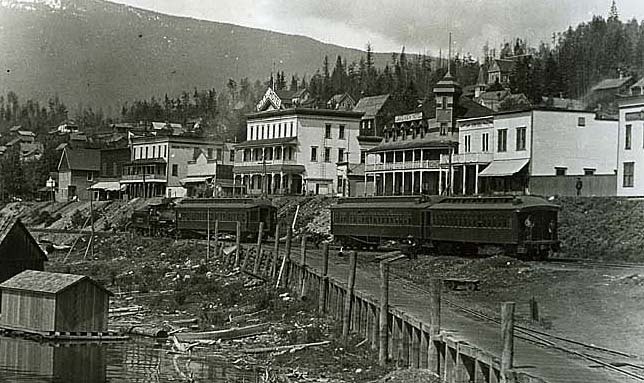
x: 630, y: 149
x: 293, y: 150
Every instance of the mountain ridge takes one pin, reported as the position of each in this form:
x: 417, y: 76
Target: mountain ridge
x: 102, y: 54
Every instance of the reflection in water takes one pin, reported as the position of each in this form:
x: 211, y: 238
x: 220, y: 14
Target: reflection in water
x: 140, y: 361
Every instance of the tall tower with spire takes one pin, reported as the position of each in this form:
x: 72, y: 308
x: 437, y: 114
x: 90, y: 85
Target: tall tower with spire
x: 447, y: 92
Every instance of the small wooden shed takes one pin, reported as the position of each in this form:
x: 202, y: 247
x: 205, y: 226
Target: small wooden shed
x: 43, y: 302
x: 19, y: 251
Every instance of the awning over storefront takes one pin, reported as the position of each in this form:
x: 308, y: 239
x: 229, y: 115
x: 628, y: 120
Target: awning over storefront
x: 195, y: 180
x: 107, y: 186
x: 504, y: 168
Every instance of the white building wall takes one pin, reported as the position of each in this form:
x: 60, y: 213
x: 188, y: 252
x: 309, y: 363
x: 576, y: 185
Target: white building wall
x: 560, y: 141
x: 511, y: 122
x: 311, y: 133
x: 476, y: 129
x: 636, y: 153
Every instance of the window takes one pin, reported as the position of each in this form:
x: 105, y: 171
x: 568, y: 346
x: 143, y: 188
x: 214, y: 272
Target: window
x: 560, y: 171
x: 175, y: 170
x: 444, y: 103
x: 209, y: 153
x: 521, y: 138
x: 363, y: 156
x: 274, y: 132
x: 341, y: 132
x: 629, y: 137
x: 90, y: 176
x: 250, y: 134
x: 589, y: 172
x: 154, y: 152
x: 340, y: 179
x: 629, y: 174
x: 327, y: 131
x: 485, y: 142
x: 502, y: 141
x: 220, y: 154
x: 443, y: 131
x: 314, y: 153
x: 340, y: 154
x: 164, y: 151
x: 581, y: 121
x: 146, y: 152
x: 291, y: 130
x: 232, y: 156
x: 467, y: 144
x: 327, y: 154
x: 257, y: 133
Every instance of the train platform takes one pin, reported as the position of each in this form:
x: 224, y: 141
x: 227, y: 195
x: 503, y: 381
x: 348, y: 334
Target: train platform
x: 543, y: 364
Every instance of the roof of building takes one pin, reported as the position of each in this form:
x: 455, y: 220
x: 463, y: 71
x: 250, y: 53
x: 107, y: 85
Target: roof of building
x: 82, y: 159
x: 15, y: 128
x: 27, y: 133
x: 639, y: 84
x: 13, y: 142
x: 563, y: 103
x: 611, y: 83
x: 471, y: 109
x: 502, y: 65
x: 371, y: 106
x: 7, y: 223
x: 413, y: 144
x: 305, y: 112
x: 46, y: 282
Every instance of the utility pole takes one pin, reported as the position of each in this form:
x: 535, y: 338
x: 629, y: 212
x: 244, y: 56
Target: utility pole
x: 91, y: 217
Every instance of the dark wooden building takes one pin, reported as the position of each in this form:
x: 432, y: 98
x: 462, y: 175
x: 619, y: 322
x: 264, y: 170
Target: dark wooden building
x: 44, y: 302
x: 19, y: 251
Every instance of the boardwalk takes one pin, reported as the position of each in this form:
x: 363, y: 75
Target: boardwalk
x: 543, y: 364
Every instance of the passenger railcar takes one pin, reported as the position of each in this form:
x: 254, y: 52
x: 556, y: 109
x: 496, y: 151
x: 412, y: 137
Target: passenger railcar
x: 372, y: 221
x: 192, y: 216
x: 525, y: 226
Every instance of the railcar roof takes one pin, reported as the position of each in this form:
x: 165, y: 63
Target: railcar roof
x: 397, y: 202
x: 220, y: 206
x: 494, y: 203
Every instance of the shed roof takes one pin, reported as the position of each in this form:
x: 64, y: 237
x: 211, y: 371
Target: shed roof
x: 45, y: 282
x: 370, y: 106
x: 7, y: 224
x: 611, y: 83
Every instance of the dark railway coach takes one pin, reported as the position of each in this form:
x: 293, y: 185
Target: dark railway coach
x: 525, y: 225
x: 372, y: 221
x: 193, y: 215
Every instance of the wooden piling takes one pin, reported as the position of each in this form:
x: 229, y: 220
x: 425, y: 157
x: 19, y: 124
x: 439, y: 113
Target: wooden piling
x: 435, y: 325
x: 258, y: 257
x: 282, y: 278
x: 324, y: 281
x: 507, y: 339
x: 237, y: 244
x: 216, y: 233
x: 276, y: 252
x: 348, y: 299
x: 383, y: 331
x: 303, y: 267
x: 534, y: 309
x: 414, y: 355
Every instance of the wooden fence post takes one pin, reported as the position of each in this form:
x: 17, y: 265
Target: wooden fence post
x: 275, y: 252
x: 324, y: 281
x: 303, y: 267
x: 534, y: 309
x: 258, y: 258
x: 433, y: 354
x: 216, y: 233
x: 507, y: 338
x: 238, y: 244
x: 384, y: 314
x: 282, y: 278
x: 348, y: 300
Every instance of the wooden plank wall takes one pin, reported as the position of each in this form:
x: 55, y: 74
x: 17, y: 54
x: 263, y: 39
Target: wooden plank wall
x: 82, y: 308
x: 29, y: 311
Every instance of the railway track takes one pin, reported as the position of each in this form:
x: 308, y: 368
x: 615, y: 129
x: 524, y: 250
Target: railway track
x: 617, y: 361
x: 589, y: 263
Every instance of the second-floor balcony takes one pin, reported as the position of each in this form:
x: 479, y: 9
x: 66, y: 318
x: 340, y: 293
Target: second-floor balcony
x: 408, y: 165
x: 125, y: 178
x: 467, y: 158
x: 267, y: 163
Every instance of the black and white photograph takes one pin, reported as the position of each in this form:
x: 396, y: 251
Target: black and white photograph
x: 300, y: 191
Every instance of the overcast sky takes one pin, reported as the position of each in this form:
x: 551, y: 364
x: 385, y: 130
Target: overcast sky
x: 420, y: 25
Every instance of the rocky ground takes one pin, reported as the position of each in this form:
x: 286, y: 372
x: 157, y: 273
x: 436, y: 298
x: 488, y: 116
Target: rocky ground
x: 168, y: 284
